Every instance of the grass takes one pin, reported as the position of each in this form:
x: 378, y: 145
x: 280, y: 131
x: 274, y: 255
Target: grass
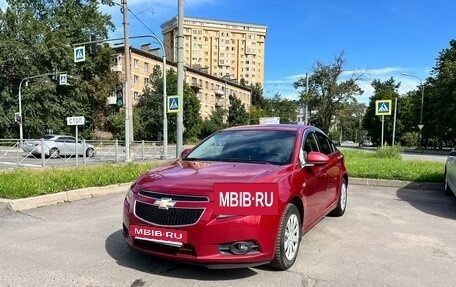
x: 23, y: 182
x: 386, y: 165
x: 20, y: 183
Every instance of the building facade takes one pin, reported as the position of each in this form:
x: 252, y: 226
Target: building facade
x: 211, y: 91
x: 231, y: 50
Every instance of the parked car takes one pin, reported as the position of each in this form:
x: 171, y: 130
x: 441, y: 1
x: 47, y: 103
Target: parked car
x: 54, y: 146
x: 242, y: 197
x: 366, y: 143
x: 450, y: 173
x: 336, y: 142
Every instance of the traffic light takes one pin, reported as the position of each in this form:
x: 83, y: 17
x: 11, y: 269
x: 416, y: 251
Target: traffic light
x: 55, y: 74
x: 93, y: 46
x: 119, y: 94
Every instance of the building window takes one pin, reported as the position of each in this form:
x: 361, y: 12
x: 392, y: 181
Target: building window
x: 146, y: 67
x: 135, y: 79
x: 136, y: 95
x: 136, y: 63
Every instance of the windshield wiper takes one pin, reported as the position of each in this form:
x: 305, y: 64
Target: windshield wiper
x: 243, y: 160
x: 192, y: 158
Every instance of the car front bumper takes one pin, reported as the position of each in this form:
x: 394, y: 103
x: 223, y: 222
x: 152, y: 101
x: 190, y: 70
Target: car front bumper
x: 210, y: 240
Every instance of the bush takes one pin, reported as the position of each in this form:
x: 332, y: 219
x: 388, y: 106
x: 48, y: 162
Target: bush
x: 388, y: 152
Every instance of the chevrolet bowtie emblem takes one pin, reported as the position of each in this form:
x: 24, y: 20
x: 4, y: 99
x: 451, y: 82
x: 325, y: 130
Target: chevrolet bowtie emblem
x: 164, y: 203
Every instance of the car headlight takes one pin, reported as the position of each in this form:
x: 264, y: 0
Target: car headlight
x: 129, y: 196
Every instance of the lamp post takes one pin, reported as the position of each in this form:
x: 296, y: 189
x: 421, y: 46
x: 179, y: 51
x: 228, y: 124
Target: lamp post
x: 21, y: 130
x: 420, y: 125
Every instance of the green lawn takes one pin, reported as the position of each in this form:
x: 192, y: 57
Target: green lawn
x: 24, y: 182
x: 373, y: 165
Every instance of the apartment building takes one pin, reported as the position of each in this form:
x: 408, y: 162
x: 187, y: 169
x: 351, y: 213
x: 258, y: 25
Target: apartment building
x: 211, y: 91
x: 223, y: 49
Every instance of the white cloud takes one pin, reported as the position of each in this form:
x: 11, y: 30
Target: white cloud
x: 284, y: 85
x: 3, y: 5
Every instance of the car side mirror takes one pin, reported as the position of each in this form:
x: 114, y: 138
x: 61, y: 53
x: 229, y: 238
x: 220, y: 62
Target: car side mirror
x: 316, y: 158
x: 185, y: 152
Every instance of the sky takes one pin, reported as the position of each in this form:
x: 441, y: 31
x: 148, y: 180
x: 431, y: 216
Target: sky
x: 380, y: 38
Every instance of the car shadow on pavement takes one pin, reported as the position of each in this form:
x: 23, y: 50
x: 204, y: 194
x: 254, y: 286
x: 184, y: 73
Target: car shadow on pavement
x: 433, y: 202
x: 118, y: 249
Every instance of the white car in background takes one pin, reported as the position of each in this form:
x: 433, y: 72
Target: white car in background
x: 54, y: 146
x: 450, y: 173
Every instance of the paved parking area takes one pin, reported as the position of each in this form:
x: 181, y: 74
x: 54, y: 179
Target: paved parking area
x: 388, y: 237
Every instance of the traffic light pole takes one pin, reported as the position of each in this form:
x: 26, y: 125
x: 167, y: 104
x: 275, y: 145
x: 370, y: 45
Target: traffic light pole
x: 21, y: 130
x: 165, y: 117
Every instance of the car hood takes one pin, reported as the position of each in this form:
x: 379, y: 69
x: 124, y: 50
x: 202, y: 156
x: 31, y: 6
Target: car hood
x: 198, y: 177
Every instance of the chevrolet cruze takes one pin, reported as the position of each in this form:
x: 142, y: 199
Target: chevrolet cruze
x: 242, y: 197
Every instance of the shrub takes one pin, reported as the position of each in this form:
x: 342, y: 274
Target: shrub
x: 388, y: 152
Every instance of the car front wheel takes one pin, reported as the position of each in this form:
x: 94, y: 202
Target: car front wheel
x: 342, y: 202
x: 288, y: 239
x: 54, y: 153
x: 90, y: 152
x: 447, y: 187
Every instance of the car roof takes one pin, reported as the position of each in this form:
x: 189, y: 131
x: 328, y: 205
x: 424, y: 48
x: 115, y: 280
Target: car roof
x: 277, y: 127
x: 50, y: 136
x: 284, y: 127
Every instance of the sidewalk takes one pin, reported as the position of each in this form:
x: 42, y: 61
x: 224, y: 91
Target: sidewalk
x: 78, y: 194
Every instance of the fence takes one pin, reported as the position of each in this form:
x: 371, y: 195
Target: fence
x: 66, y: 152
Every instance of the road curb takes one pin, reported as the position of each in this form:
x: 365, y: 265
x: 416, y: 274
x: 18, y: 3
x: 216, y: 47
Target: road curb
x: 396, y: 183
x: 61, y: 197
x: 90, y: 192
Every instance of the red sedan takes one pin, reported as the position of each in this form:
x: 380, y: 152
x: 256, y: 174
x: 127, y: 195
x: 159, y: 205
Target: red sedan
x: 242, y: 197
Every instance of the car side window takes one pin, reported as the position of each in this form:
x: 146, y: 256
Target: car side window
x: 324, y: 144
x: 310, y: 143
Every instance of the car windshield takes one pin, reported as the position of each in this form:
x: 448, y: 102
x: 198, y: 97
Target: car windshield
x: 256, y: 146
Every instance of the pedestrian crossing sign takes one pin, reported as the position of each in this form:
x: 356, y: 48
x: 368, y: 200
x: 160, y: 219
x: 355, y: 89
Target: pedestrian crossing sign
x: 174, y: 105
x: 383, y: 108
x: 79, y: 54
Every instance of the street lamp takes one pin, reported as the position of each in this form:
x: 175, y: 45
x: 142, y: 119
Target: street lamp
x: 21, y: 131
x: 420, y: 126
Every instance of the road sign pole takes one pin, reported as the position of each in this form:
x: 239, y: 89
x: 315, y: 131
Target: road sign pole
x: 383, y: 128
x: 76, y: 146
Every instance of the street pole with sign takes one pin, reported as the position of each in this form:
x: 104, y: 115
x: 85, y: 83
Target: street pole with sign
x: 19, y: 116
x: 383, y: 108
x: 420, y: 125
x: 76, y: 121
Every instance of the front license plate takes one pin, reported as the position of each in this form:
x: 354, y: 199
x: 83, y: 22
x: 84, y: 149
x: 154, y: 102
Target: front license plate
x: 173, y: 237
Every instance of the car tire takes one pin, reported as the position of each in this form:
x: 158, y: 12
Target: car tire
x: 54, y: 153
x: 90, y: 152
x: 447, y: 187
x: 342, y: 201
x: 288, y: 239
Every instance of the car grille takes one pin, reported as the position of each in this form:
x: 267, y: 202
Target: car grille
x: 175, y: 197
x: 167, y: 217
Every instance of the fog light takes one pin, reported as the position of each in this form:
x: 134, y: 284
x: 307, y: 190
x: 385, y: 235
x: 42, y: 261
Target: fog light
x: 240, y: 248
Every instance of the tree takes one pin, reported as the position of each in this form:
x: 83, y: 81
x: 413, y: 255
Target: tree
x: 327, y: 92
x: 215, y: 122
x: 259, y: 105
x: 283, y: 108
x: 440, y: 99
x: 387, y: 90
x: 348, y: 120
x: 237, y: 114
x: 36, y: 38
x: 150, y: 107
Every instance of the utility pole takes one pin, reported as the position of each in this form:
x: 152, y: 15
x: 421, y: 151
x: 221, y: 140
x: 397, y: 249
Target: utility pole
x: 128, y: 108
x: 180, y: 76
x: 306, y: 118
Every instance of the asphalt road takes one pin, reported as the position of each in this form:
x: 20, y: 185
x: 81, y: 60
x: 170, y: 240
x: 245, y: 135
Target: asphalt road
x: 388, y: 237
